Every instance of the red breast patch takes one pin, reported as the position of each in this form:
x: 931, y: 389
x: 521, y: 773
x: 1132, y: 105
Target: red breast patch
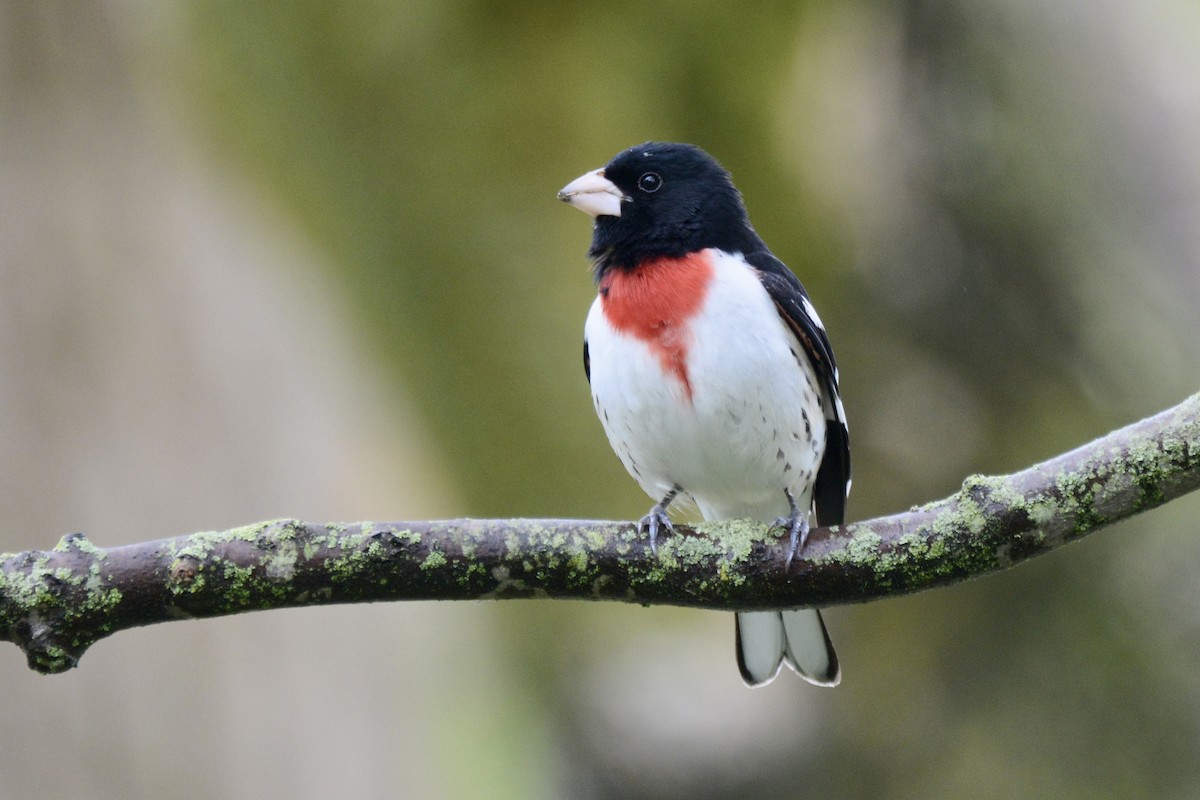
x: 654, y: 303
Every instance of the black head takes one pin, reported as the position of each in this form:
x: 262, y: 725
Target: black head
x: 670, y: 200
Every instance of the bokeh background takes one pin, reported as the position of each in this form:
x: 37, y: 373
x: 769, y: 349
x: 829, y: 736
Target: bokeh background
x: 304, y: 259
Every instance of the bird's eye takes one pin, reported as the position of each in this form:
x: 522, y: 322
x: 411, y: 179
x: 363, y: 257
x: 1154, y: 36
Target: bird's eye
x: 650, y: 182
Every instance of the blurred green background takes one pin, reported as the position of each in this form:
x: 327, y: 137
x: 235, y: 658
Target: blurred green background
x: 305, y: 259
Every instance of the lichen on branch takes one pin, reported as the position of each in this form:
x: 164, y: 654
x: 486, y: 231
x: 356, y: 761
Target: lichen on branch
x: 56, y: 603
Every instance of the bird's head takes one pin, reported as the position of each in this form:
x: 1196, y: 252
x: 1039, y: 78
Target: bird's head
x: 658, y: 200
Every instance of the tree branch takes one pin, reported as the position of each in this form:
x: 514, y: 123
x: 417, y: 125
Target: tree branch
x: 54, y: 604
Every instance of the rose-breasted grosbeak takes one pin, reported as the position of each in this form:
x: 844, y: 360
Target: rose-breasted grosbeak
x: 712, y: 373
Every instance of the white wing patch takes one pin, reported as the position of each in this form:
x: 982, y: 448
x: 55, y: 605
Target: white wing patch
x: 812, y: 313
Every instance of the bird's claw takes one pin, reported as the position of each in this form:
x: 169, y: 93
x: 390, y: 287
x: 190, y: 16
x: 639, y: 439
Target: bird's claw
x: 796, y: 524
x: 797, y: 528
x: 658, y: 517
x: 651, y: 523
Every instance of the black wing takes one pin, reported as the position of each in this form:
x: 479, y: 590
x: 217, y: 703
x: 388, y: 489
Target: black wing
x: 833, y: 476
x: 587, y: 362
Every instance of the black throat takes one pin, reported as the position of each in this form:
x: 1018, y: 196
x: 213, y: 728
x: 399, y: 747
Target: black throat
x: 614, y: 246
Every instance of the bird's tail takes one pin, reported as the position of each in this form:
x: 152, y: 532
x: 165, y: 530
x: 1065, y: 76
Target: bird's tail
x: 768, y: 639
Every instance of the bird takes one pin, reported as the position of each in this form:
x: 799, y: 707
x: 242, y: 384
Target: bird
x: 712, y: 373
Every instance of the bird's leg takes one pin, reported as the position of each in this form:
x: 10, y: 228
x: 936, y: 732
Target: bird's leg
x: 796, y: 524
x: 656, y: 517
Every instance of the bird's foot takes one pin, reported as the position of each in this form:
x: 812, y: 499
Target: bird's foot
x: 796, y: 524
x: 657, y: 518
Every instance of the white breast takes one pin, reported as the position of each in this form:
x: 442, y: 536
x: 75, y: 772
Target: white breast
x: 753, y: 425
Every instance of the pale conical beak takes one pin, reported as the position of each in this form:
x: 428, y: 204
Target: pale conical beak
x: 593, y: 194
